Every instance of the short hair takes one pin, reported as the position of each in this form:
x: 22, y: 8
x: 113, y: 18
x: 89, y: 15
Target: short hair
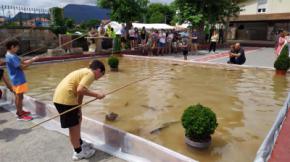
x: 96, y: 64
x: 11, y: 43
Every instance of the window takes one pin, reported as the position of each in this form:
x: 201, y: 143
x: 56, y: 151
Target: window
x: 261, y: 10
x: 261, y: 6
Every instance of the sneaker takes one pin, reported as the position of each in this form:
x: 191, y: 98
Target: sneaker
x: 23, y: 113
x: 87, y: 146
x: 84, y: 154
x: 26, y: 112
x: 24, y: 118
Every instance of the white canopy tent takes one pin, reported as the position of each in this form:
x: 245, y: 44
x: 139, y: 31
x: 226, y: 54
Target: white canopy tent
x: 115, y: 25
x: 152, y: 26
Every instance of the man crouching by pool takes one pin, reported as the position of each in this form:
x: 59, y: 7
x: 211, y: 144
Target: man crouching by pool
x: 237, y: 55
x: 69, y: 94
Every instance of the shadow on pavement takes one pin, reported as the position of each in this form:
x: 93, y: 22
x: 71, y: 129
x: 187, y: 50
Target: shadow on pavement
x: 2, y: 121
x: 9, y: 134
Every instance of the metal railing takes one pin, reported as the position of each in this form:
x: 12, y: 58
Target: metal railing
x: 12, y: 16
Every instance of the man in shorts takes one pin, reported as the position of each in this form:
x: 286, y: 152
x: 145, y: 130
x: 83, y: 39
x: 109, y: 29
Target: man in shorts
x: 15, y: 67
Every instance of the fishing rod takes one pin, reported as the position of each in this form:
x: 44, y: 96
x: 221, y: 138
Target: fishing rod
x: 81, y: 106
x: 54, y: 48
x: 111, y: 92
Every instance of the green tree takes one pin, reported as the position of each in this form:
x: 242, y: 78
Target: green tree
x: 159, y: 13
x: 58, y: 24
x: 156, y: 18
x: 212, y: 11
x: 90, y: 23
x: 125, y: 10
x: 69, y: 23
x: 57, y: 16
x: 105, y: 3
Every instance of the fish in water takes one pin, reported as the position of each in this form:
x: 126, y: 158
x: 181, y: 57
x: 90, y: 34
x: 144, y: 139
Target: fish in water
x: 163, y: 126
x: 176, y: 96
x: 169, y: 106
x: 126, y: 104
x: 149, y: 107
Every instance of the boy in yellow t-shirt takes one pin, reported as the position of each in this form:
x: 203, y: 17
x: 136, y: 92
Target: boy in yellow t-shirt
x: 69, y: 94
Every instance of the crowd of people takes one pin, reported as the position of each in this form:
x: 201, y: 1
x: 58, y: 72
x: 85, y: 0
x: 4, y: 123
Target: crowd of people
x: 160, y: 42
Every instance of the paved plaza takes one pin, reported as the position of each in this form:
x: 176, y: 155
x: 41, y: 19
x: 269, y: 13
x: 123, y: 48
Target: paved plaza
x: 256, y: 56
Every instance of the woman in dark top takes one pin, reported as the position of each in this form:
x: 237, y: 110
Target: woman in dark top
x: 143, y: 36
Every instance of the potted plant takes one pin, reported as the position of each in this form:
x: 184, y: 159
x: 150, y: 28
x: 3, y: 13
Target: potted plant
x: 199, y: 123
x: 282, y: 63
x: 113, y: 63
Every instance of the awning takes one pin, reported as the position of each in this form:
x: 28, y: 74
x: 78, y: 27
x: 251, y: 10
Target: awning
x: 262, y: 17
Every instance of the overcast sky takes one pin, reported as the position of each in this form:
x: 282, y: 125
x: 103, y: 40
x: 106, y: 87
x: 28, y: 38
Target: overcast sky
x: 53, y: 3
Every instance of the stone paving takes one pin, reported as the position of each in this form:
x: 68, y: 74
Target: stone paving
x: 256, y: 56
x: 19, y: 144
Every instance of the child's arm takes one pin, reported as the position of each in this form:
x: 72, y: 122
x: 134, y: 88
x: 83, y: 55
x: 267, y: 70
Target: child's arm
x: 83, y: 91
x: 7, y: 83
x: 26, y: 63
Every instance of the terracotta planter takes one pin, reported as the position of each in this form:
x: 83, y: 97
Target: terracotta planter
x: 281, y: 72
x: 199, y: 145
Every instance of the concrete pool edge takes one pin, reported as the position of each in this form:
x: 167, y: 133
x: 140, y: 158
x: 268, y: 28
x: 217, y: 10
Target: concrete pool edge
x: 50, y: 59
x: 55, y: 59
x: 275, y: 147
x: 189, y: 63
x: 104, y: 137
x: 202, y: 64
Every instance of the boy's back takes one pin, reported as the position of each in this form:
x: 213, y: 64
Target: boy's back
x: 16, y: 74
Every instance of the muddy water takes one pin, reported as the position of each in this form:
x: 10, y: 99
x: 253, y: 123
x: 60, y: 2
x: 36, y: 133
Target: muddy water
x: 246, y: 103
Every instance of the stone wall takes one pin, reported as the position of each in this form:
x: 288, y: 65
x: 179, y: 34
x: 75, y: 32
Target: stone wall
x: 30, y: 39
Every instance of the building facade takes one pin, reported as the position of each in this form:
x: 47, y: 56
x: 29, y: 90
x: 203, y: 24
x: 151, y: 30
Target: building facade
x: 31, y: 19
x: 260, y: 20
